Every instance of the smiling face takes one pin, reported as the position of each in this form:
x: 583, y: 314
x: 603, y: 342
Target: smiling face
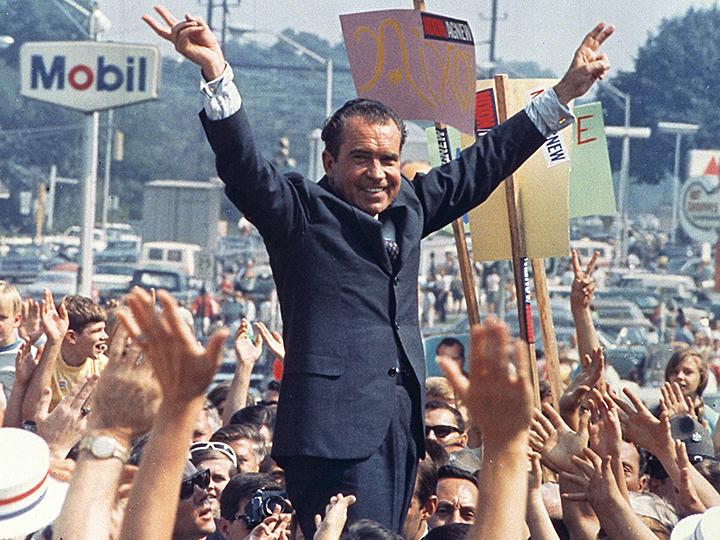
x: 366, y: 171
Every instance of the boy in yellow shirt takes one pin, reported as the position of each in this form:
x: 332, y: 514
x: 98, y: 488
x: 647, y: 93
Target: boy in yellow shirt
x: 81, y: 353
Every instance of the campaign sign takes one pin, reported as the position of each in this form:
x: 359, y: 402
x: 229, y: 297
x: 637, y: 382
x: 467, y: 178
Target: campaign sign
x: 420, y: 64
x: 89, y: 75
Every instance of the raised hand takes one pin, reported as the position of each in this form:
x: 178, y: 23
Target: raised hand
x: 68, y: 421
x: 609, y: 430
x: 496, y: 387
x: 192, y: 38
x: 31, y: 327
x: 591, y: 376
x: 247, y: 352
x: 641, y: 427
x: 674, y: 403
x: 688, y: 496
x: 583, y: 285
x: 182, y: 366
x: 587, y: 66
x: 25, y: 363
x: 553, y: 439
x: 273, y: 340
x: 128, y: 394
x: 55, y: 320
x: 331, y: 527
x: 595, y: 478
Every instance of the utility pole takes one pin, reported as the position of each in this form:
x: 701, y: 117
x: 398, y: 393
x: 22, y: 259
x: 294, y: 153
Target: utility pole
x: 494, y: 18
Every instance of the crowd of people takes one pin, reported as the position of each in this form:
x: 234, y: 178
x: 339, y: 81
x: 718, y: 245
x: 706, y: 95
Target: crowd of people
x: 112, y: 429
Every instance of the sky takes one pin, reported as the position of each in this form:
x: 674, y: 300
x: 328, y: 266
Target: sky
x: 546, y: 31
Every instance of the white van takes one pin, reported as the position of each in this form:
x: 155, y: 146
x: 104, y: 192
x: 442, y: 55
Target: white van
x: 171, y: 255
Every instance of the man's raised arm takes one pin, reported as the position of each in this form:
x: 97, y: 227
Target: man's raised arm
x: 192, y: 38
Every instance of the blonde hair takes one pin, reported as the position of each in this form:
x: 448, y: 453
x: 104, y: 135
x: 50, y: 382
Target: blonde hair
x: 8, y: 293
x: 439, y: 389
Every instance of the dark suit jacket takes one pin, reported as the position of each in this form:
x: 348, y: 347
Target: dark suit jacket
x: 347, y: 315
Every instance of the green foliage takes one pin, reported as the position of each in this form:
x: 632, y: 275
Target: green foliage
x: 676, y: 79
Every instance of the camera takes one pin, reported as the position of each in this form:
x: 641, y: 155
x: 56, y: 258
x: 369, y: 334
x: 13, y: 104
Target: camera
x: 262, y: 504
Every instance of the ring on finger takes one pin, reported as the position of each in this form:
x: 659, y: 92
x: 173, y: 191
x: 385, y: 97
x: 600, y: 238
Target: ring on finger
x: 85, y: 410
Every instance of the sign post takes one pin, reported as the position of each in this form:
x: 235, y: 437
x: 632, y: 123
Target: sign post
x: 89, y: 76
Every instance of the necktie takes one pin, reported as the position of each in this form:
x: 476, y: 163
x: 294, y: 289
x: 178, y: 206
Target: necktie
x: 393, y: 250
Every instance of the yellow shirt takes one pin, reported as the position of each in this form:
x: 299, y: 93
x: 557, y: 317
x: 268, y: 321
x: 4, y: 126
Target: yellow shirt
x: 66, y: 376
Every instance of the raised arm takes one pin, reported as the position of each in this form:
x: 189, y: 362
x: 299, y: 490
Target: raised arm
x: 184, y: 370
x: 55, y: 324
x: 247, y: 353
x: 587, y: 66
x: 192, y: 38
x: 497, y: 386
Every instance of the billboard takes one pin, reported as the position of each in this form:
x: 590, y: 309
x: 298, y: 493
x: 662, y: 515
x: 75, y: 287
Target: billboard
x: 89, y: 75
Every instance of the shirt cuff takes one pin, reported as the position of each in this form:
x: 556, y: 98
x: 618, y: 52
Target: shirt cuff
x: 548, y: 114
x: 221, y: 98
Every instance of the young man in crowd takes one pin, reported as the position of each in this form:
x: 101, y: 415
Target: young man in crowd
x: 220, y: 460
x: 234, y: 500
x: 194, y: 516
x: 457, y: 497
x: 445, y: 424
x: 246, y: 441
x: 83, y: 347
x: 424, y: 501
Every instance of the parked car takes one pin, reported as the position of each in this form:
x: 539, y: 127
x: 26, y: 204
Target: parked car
x: 60, y: 282
x: 176, y: 282
x: 112, y: 279
x: 125, y: 248
x: 23, y: 264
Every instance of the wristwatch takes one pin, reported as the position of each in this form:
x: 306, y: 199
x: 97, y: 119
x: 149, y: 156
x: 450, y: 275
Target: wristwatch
x: 104, y: 447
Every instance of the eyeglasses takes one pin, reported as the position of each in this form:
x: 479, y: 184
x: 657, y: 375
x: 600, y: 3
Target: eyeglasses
x: 200, y: 479
x: 221, y: 447
x: 441, y: 431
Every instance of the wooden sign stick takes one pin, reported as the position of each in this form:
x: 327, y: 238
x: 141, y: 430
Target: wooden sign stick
x: 552, y: 362
x: 520, y: 262
x: 466, y: 270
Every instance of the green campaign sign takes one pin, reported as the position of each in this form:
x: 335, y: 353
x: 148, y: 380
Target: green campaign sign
x: 591, y: 185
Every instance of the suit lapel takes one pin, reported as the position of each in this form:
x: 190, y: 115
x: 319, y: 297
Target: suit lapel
x: 371, y: 231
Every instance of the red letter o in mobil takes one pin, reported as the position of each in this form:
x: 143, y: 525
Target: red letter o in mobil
x: 89, y: 78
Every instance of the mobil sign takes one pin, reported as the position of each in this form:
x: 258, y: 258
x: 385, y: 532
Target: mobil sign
x: 89, y: 75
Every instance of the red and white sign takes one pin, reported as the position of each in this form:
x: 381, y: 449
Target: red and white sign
x: 704, y: 163
x: 88, y: 75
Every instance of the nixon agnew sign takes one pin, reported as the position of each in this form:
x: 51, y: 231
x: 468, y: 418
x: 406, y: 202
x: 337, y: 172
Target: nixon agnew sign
x: 89, y: 75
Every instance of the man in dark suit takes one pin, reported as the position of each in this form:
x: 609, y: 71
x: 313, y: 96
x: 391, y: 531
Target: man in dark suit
x: 345, y: 255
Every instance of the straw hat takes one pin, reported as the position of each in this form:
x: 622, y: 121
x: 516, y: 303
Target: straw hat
x: 29, y: 498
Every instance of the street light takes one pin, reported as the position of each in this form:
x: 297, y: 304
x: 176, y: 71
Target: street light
x: 678, y: 129
x: 327, y: 62
x: 626, y: 132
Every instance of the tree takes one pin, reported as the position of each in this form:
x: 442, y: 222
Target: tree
x: 676, y: 79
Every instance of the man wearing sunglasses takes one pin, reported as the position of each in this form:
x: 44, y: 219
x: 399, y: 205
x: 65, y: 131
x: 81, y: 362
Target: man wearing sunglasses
x: 194, y: 519
x: 445, y: 424
x: 219, y: 459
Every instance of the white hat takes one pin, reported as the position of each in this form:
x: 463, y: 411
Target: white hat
x: 29, y: 498
x: 705, y: 526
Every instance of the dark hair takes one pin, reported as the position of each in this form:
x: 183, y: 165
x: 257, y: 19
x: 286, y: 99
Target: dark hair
x: 436, y: 452
x: 369, y: 110
x: 426, y: 480
x: 219, y: 394
x: 453, y: 531
x: 233, y: 432
x: 82, y: 312
x: 451, y: 342
x: 257, y: 415
x: 273, y: 385
x: 367, y: 529
x: 242, y: 486
x: 451, y: 471
x: 434, y: 405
